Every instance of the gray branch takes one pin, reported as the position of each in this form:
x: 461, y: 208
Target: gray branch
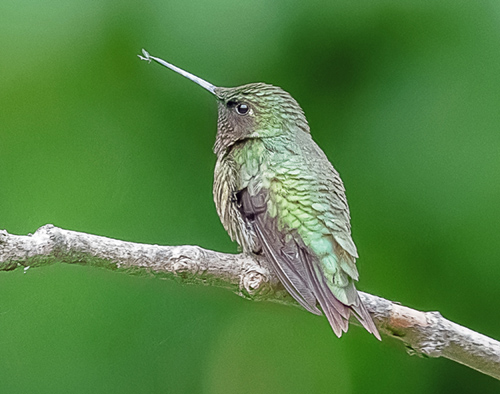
x: 423, y: 333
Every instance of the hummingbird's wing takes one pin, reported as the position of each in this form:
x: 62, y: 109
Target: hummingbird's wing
x: 283, y: 254
x: 297, y: 268
x: 292, y: 262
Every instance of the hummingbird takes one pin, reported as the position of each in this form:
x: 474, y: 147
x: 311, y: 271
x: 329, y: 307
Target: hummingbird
x: 278, y: 196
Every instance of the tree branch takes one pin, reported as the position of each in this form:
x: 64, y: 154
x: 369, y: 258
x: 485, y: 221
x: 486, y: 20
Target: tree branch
x: 423, y: 333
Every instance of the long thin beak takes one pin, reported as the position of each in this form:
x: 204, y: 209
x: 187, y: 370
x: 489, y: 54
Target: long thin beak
x: 207, y: 85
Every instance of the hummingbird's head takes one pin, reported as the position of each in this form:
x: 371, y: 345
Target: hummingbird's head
x: 256, y: 110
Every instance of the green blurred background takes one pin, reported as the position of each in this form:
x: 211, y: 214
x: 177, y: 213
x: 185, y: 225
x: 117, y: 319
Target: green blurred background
x: 403, y: 96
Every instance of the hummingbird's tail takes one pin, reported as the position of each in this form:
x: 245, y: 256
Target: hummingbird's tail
x: 337, y: 312
x: 364, y: 317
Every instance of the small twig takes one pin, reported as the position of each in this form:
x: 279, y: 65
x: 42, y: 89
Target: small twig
x: 423, y: 333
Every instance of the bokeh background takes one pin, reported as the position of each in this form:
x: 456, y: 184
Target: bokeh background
x: 404, y: 98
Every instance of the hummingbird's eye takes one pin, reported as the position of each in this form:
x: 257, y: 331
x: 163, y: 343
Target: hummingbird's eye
x: 242, y: 108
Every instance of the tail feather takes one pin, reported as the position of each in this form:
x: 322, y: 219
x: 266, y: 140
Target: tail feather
x: 337, y: 312
x: 364, y: 317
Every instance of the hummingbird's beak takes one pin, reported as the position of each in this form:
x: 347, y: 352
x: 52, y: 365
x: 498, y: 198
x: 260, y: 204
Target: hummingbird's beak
x: 194, y: 78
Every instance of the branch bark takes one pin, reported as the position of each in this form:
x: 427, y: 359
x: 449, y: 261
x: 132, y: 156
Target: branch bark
x: 423, y: 333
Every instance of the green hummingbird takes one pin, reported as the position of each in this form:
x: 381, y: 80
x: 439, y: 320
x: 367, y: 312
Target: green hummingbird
x: 278, y: 196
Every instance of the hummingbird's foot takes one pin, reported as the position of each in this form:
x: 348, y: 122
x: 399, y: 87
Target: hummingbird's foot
x: 146, y: 56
